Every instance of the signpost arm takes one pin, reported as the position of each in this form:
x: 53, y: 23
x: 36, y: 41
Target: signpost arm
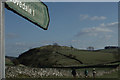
x: 2, y: 43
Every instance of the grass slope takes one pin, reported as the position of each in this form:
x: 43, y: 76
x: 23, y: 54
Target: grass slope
x: 8, y: 62
x: 48, y: 56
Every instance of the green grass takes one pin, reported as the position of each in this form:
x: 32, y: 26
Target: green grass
x: 90, y: 57
x: 8, y: 62
x: 97, y: 69
x: 111, y: 75
x: 47, y: 56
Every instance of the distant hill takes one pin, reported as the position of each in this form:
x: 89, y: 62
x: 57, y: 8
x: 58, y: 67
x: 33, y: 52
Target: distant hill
x: 55, y: 55
x: 10, y: 57
x: 112, y: 50
x: 8, y: 61
x: 111, y: 47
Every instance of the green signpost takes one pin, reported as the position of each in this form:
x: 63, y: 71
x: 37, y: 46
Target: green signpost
x: 35, y: 12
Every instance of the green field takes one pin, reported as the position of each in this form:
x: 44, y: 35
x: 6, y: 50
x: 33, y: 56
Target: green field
x: 63, y: 56
x: 48, y: 56
x: 111, y: 75
x: 8, y: 62
x: 54, y: 55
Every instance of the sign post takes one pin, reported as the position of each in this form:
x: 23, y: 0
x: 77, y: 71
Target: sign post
x: 2, y: 44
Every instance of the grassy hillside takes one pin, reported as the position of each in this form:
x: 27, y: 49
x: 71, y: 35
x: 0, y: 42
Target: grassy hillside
x: 54, y: 55
x: 8, y: 62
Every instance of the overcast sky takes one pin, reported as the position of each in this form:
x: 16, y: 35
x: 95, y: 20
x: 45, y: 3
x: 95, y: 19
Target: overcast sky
x: 78, y: 24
